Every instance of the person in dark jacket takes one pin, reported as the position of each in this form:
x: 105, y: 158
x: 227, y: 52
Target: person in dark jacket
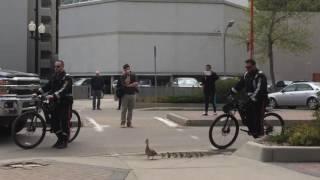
x: 119, y: 93
x: 97, y: 84
x: 59, y: 89
x: 256, y: 87
x: 209, y: 89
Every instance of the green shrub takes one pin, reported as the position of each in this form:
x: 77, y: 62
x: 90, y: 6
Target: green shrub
x: 299, y: 135
x: 305, y: 135
x: 223, y: 87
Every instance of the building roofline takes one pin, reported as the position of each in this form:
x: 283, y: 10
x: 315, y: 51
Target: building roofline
x: 94, y: 2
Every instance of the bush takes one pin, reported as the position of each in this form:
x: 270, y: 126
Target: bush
x: 223, y: 87
x: 302, y: 134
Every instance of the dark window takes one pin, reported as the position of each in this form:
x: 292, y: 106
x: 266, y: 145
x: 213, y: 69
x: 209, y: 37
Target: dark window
x: 45, y: 54
x: 290, y: 88
x: 46, y: 37
x: 304, y: 87
x: 46, y: 3
x: 46, y: 19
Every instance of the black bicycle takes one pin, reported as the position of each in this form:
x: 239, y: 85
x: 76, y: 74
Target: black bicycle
x: 29, y: 129
x: 225, y: 128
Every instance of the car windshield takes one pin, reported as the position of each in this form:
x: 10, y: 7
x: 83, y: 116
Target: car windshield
x: 79, y: 82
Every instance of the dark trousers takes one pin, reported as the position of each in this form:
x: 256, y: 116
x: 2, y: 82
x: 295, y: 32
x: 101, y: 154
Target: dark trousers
x: 120, y: 102
x: 96, y: 96
x: 209, y: 97
x: 60, y: 122
x: 254, y: 117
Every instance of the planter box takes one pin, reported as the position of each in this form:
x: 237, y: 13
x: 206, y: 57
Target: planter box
x: 268, y: 153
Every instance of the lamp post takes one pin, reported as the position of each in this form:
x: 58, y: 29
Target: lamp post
x: 36, y: 31
x: 229, y: 25
x: 251, y: 36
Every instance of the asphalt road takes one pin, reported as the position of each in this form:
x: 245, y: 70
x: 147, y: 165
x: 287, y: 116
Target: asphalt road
x: 102, y: 135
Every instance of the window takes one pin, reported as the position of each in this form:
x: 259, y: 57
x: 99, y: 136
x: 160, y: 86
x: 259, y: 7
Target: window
x: 45, y: 55
x: 304, y: 87
x: 46, y: 37
x: 65, y: 2
x: 46, y: 19
x: 290, y: 88
x: 46, y: 3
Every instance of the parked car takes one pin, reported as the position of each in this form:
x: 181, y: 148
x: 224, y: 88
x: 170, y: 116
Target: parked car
x: 145, y: 83
x: 297, y: 94
x: 16, y: 89
x: 279, y: 85
x: 185, y: 82
x: 83, y: 82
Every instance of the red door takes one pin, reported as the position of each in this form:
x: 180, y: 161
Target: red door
x: 316, y: 77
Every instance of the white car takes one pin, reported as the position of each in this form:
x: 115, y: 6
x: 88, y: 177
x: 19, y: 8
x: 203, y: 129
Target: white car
x: 185, y: 82
x: 297, y: 94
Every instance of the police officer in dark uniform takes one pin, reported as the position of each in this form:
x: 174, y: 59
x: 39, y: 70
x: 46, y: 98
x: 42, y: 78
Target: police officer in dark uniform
x: 255, y: 84
x: 59, y: 89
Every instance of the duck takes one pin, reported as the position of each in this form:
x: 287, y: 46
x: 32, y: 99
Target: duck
x: 150, y: 152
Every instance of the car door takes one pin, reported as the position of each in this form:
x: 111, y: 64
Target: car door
x: 286, y: 96
x: 304, y: 91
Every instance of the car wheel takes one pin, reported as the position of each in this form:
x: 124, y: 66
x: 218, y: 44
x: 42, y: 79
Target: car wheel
x: 273, y: 103
x: 312, y: 103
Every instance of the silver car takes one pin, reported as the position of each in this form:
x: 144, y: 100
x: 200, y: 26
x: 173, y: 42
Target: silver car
x: 297, y: 94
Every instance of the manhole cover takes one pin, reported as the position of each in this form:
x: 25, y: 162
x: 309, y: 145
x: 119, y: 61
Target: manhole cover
x: 24, y: 165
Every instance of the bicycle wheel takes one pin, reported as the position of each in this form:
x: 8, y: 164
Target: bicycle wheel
x: 224, y: 131
x: 273, y: 124
x: 28, y: 130
x: 75, y: 125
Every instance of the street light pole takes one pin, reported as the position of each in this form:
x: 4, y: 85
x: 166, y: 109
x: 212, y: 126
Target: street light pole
x: 155, y: 72
x: 36, y: 39
x: 229, y: 25
x: 251, y: 40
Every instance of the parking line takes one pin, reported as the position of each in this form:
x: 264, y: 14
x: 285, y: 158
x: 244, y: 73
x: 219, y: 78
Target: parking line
x: 195, y: 137
x: 97, y: 126
x: 167, y: 122
x: 180, y: 130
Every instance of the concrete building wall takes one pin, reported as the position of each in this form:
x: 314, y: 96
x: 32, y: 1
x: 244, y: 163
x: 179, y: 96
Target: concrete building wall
x: 187, y: 36
x: 85, y: 55
x: 13, y: 34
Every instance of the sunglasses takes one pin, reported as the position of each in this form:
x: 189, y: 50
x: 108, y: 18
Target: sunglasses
x: 57, y: 66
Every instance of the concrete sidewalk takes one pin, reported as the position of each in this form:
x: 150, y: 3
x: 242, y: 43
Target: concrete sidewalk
x: 222, y: 167
x: 195, y: 118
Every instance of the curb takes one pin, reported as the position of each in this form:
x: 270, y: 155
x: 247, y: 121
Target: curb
x: 265, y: 153
x: 184, y: 121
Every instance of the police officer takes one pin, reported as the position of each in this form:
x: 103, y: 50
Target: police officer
x: 255, y: 84
x: 59, y: 89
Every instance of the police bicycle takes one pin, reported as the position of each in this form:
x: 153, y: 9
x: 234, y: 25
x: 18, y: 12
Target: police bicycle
x: 29, y: 129
x: 225, y: 128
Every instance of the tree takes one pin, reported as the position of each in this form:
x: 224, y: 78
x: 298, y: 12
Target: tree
x: 281, y: 24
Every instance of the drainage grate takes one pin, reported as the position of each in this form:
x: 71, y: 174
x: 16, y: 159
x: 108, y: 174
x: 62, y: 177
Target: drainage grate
x: 24, y: 165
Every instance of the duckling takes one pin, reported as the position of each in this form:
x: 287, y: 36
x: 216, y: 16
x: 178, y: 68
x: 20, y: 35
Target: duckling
x: 150, y: 152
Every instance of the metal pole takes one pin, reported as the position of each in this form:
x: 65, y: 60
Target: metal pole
x: 252, y: 29
x: 155, y: 72
x: 224, y: 52
x: 57, y: 25
x: 36, y: 39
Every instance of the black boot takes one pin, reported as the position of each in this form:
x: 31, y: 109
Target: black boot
x: 59, y: 141
x: 63, y: 144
